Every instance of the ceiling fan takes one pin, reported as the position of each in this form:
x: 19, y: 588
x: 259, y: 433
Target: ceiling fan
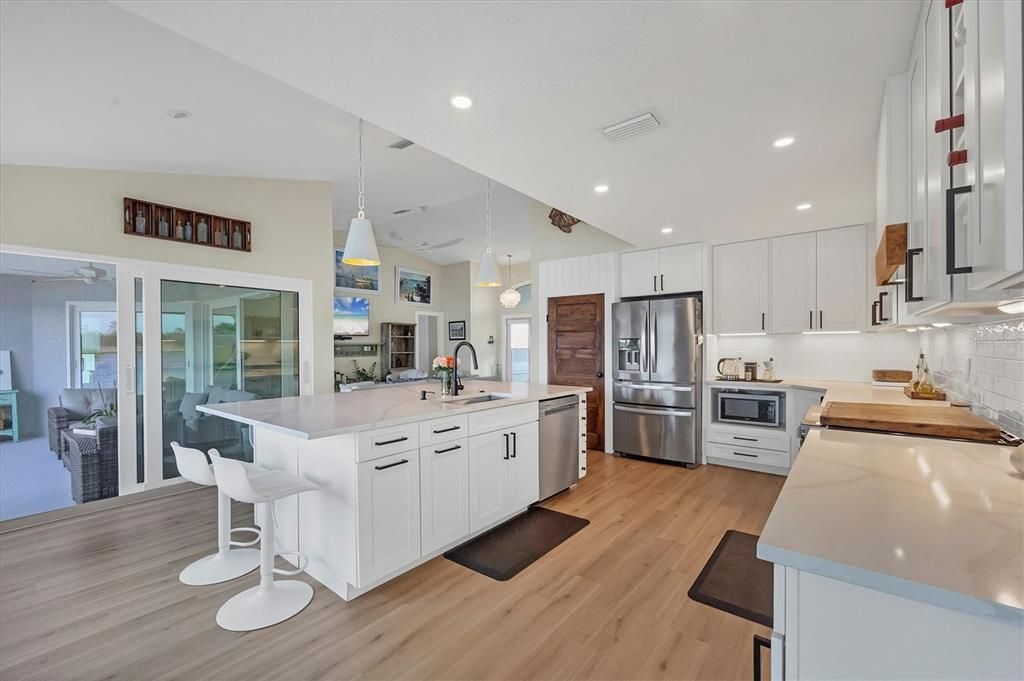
x: 425, y: 245
x: 87, y: 274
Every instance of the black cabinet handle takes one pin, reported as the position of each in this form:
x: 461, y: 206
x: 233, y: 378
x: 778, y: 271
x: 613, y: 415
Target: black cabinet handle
x: 655, y: 282
x: 951, y: 195
x: 810, y: 319
x: 750, y: 456
x: 506, y: 446
x: 447, y: 430
x: 390, y: 442
x: 450, y: 449
x: 392, y: 465
x: 759, y: 642
x: 874, y: 313
x: 821, y: 319
x: 762, y: 321
x: 745, y: 439
x: 908, y: 294
x: 515, y: 447
x: 663, y: 282
x: 881, y: 306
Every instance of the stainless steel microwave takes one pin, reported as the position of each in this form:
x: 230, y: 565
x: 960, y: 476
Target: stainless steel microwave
x: 748, y: 407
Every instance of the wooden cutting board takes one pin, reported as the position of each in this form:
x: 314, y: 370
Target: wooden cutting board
x: 911, y: 420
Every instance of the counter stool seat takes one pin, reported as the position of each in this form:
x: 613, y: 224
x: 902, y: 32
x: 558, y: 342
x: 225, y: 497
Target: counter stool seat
x: 228, y: 563
x: 271, y: 602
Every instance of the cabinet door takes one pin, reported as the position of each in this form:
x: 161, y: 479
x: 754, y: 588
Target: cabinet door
x: 639, y: 273
x: 680, y: 269
x: 842, y: 279
x: 926, y: 185
x: 794, y: 269
x: 525, y: 469
x: 740, y: 287
x: 389, y: 515
x: 444, y: 491
x: 489, y: 486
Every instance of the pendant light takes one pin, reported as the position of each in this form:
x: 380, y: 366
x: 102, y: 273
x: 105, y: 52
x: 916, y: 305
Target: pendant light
x: 488, y: 273
x: 360, y: 245
x: 510, y: 297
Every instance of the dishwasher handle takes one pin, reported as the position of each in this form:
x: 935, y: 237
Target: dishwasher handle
x: 554, y: 410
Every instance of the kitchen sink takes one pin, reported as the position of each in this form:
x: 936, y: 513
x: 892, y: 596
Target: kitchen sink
x: 476, y: 399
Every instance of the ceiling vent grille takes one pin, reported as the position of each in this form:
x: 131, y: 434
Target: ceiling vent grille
x: 401, y: 144
x: 628, y: 127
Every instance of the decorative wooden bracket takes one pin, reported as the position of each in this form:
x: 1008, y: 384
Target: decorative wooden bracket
x: 944, y: 124
x: 563, y: 221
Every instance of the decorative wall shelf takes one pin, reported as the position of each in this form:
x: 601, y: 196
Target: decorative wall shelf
x: 157, y: 221
x: 355, y: 349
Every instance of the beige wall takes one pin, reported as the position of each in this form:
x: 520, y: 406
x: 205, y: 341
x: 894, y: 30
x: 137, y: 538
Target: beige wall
x: 80, y: 210
x: 488, y: 314
x: 456, y: 283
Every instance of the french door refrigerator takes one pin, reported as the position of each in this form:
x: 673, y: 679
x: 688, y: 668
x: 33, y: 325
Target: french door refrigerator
x: 656, y: 391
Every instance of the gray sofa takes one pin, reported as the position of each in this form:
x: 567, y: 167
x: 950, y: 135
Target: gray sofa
x: 184, y: 424
x: 75, y: 405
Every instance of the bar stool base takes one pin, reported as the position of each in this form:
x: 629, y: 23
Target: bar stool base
x: 222, y: 566
x: 257, y: 608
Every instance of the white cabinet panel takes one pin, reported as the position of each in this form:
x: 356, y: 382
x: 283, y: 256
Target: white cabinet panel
x: 680, y: 268
x: 489, y: 485
x: 444, y: 490
x: 741, y: 286
x: 389, y: 515
x: 793, y: 272
x: 524, y: 467
x: 639, y: 272
x: 841, y: 273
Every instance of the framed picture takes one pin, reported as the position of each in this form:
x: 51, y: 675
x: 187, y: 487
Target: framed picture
x: 457, y: 330
x: 351, y: 316
x: 353, y: 278
x: 412, y: 287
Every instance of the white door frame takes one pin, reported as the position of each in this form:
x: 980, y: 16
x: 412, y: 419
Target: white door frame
x: 440, y: 336
x: 151, y: 273
x: 506, y: 359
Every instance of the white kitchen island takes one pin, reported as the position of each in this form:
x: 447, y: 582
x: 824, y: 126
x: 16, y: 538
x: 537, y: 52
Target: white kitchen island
x: 401, y: 479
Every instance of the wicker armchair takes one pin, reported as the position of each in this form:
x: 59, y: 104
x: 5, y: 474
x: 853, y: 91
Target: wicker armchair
x: 75, y: 405
x: 92, y: 462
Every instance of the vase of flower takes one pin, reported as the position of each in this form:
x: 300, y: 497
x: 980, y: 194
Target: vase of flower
x: 444, y: 368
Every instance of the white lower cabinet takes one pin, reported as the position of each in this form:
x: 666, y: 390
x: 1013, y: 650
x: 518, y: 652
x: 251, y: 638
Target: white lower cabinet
x: 524, y: 467
x: 388, y: 514
x: 444, y: 494
x: 503, y: 474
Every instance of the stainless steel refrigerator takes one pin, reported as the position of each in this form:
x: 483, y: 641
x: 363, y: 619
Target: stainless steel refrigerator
x: 656, y: 392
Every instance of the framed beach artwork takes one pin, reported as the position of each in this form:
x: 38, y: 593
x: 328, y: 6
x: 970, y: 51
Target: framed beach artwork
x: 353, y: 278
x: 412, y: 287
x: 351, y: 316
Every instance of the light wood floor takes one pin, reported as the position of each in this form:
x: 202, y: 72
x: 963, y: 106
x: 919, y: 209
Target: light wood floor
x: 98, y: 597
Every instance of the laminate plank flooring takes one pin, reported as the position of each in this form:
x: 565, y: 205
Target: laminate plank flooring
x: 98, y: 597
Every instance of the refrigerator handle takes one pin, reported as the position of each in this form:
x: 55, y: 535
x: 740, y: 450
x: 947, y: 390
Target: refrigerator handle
x: 643, y: 343
x: 654, y: 345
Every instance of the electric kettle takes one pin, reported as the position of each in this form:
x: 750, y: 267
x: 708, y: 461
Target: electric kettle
x: 730, y: 367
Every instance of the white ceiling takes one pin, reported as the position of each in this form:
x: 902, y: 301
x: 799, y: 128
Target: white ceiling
x: 87, y: 84
x: 725, y: 78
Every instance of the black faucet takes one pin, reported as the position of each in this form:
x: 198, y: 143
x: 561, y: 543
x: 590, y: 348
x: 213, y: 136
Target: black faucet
x: 455, y: 369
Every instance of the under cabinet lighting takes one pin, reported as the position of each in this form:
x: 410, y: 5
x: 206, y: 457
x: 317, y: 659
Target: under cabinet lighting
x: 751, y: 333
x: 827, y: 333
x: 910, y: 330
x: 941, y: 325
x: 923, y: 328
x: 1012, y: 306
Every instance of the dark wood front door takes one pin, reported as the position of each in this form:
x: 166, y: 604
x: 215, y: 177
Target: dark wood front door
x: 576, y: 353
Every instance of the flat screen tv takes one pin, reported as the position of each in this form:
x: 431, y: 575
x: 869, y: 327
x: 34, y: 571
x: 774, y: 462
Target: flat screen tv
x: 351, y: 316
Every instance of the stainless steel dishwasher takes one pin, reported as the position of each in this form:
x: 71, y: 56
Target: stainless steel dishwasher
x: 559, y: 444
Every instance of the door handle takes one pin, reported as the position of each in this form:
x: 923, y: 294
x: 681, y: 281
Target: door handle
x: 392, y: 465
x: 654, y: 346
x: 643, y: 353
x: 663, y: 282
x: 514, y: 445
x: 821, y: 319
x: 600, y: 374
x: 951, y: 195
x: 874, y: 313
x: 506, y: 446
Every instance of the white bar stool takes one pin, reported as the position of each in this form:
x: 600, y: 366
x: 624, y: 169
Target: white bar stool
x: 271, y: 602
x: 227, y: 563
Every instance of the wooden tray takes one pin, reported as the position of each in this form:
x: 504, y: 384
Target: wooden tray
x: 914, y: 395
x: 891, y: 375
x: 910, y: 420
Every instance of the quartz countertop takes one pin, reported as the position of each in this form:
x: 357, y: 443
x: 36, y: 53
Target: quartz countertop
x: 839, y: 391
x: 314, y: 416
x: 937, y: 521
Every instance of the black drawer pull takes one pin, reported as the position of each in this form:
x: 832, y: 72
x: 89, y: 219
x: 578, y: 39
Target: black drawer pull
x: 745, y: 439
x: 514, y: 445
x: 392, y: 465
x: 750, y: 456
x: 445, y: 451
x: 390, y: 442
x: 447, y: 430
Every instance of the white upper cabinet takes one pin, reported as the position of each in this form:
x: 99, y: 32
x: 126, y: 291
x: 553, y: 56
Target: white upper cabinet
x: 740, y: 287
x: 673, y: 269
x: 794, y: 270
x: 841, y: 269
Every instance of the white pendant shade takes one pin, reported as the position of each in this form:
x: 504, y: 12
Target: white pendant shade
x: 360, y: 245
x: 488, y: 274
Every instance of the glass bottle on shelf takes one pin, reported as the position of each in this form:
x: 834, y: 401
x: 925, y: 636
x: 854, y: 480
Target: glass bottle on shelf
x: 236, y: 238
x: 203, y: 231
x: 927, y: 385
x: 179, y: 231
x: 140, y: 222
x: 916, y: 380
x: 187, y: 235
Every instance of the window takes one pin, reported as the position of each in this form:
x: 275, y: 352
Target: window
x: 93, y: 342
x: 525, y: 293
x: 517, y: 350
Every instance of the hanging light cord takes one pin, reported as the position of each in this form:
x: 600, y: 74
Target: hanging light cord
x: 362, y: 174
x: 488, y: 215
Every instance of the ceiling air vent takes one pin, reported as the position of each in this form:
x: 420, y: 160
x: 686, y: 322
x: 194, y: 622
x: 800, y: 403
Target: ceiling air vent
x: 402, y: 211
x: 634, y: 125
x: 401, y: 144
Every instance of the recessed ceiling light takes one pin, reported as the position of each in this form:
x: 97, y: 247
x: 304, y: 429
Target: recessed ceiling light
x: 783, y: 142
x: 600, y: 188
x: 803, y: 206
x: 179, y: 114
x: 461, y: 102
x: 666, y: 230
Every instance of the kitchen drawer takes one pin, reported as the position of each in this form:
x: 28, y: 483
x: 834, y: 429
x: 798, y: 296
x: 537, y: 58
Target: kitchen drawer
x: 443, y: 430
x: 502, y: 417
x: 740, y: 454
x: 374, y: 444
x: 758, y: 438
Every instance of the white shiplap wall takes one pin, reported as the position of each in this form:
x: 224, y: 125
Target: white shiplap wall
x: 574, y: 277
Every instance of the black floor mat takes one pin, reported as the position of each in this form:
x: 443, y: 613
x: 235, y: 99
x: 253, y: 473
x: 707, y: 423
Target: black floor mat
x: 736, y: 580
x: 508, y: 549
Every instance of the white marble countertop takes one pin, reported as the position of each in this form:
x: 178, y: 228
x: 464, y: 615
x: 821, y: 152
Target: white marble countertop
x: 314, y: 416
x: 937, y: 521
x: 839, y: 391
